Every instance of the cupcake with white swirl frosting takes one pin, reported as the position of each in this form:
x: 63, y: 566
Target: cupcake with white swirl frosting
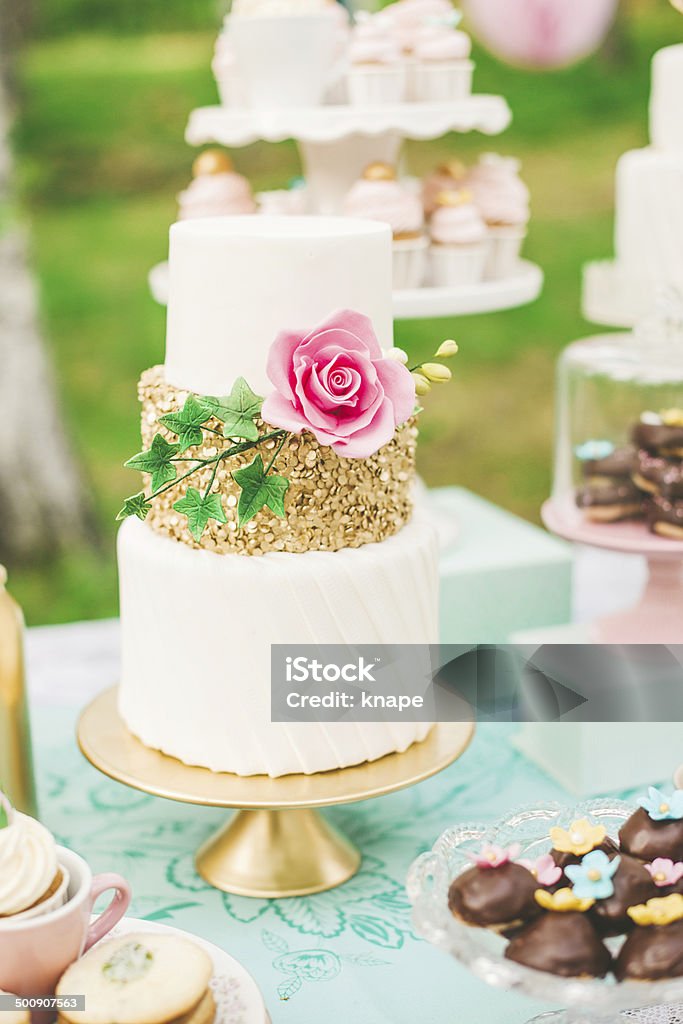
x: 503, y: 201
x: 32, y: 881
x: 378, y: 195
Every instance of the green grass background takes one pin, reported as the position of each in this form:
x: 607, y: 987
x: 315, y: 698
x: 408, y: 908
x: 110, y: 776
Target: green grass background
x: 106, y: 90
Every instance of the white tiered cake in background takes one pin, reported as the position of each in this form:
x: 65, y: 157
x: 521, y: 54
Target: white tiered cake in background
x: 348, y: 564
x: 649, y: 210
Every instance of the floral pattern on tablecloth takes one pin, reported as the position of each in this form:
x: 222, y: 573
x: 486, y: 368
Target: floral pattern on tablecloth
x: 362, y: 926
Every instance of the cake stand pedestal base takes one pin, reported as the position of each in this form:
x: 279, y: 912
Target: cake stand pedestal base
x: 277, y: 845
x: 658, y: 616
x: 268, y: 853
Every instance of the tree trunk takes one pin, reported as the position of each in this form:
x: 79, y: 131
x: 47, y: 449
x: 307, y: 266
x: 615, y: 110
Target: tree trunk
x: 44, y: 505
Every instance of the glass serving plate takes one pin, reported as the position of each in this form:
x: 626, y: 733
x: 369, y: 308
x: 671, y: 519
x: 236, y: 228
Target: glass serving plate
x: 588, y: 1001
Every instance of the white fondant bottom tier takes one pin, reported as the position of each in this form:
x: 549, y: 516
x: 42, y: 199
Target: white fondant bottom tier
x: 197, y: 629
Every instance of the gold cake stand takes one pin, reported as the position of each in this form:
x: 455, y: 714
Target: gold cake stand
x: 277, y: 844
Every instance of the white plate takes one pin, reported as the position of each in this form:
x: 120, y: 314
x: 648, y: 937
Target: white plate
x: 238, y: 1000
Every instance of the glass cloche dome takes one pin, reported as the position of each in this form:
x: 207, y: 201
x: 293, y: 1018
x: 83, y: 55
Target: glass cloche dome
x: 619, y: 435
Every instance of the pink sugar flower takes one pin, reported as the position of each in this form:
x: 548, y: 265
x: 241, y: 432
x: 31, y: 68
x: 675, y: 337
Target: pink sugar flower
x: 491, y: 856
x: 336, y: 382
x: 544, y: 869
x: 664, y: 871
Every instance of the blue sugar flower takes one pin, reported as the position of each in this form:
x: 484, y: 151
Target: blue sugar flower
x: 593, y: 450
x: 663, y: 806
x: 592, y: 878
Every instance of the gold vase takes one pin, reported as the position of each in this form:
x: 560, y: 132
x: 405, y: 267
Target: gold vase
x: 16, y: 764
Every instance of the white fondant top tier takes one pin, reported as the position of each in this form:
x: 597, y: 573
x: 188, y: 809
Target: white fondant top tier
x: 235, y: 282
x: 666, y: 109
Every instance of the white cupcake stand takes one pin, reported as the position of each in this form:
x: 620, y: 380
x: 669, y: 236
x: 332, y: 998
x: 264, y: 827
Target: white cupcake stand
x: 336, y: 143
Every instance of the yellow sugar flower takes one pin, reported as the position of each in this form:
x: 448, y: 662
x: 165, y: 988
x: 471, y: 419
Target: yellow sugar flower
x: 562, y: 901
x: 672, y: 417
x: 660, y: 910
x: 581, y: 837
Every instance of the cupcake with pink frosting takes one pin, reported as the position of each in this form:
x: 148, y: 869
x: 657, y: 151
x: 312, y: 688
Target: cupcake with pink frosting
x: 377, y: 71
x: 503, y: 201
x: 409, y: 16
x: 379, y: 196
x: 447, y: 177
x: 216, y: 189
x: 459, y: 241
x: 442, y: 70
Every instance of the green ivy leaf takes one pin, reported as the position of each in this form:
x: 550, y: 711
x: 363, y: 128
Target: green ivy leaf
x: 156, y: 462
x: 136, y: 505
x: 237, y: 411
x: 199, y: 509
x: 259, y: 490
x: 188, y: 422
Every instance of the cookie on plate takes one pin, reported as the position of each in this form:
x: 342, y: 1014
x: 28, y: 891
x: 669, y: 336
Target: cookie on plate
x: 14, y: 1016
x: 656, y: 828
x: 608, y: 493
x: 141, y: 979
x: 654, y: 949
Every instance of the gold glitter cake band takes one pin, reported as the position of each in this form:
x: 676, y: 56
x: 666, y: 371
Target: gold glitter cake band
x: 332, y: 502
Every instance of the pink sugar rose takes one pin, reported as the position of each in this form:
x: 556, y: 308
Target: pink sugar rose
x: 336, y: 383
x: 544, y: 869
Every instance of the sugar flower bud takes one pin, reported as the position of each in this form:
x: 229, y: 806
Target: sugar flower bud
x: 436, y: 373
x: 422, y: 385
x: 446, y: 349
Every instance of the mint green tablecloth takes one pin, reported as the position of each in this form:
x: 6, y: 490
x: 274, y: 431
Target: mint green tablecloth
x: 346, y: 955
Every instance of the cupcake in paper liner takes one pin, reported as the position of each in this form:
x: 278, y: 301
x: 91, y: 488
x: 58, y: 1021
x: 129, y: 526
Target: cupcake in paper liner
x: 32, y: 881
x: 377, y: 72
x: 503, y: 200
x: 379, y: 196
x: 459, y: 241
x: 442, y: 70
x: 447, y: 177
x: 216, y: 190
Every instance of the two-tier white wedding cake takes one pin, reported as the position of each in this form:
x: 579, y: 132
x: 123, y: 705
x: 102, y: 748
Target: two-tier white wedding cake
x: 233, y: 555
x: 649, y: 210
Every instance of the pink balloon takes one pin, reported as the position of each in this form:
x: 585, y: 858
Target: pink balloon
x: 540, y: 33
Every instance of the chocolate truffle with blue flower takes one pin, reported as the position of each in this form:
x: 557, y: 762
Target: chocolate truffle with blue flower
x: 571, y: 845
x: 654, y: 950
x: 615, y: 884
x: 563, y: 940
x: 655, y: 830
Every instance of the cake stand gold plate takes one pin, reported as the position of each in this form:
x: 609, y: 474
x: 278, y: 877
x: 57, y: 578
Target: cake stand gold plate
x: 277, y: 844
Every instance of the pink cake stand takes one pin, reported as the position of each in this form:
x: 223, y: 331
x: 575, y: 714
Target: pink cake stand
x: 658, y: 616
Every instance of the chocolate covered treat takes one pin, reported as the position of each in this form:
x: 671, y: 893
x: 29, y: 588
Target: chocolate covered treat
x: 608, y: 493
x: 563, y: 940
x: 660, y: 433
x: 495, y: 893
x: 664, y: 517
x: 631, y: 883
x: 582, y: 837
x: 657, y: 475
x: 654, y: 949
x: 656, y: 828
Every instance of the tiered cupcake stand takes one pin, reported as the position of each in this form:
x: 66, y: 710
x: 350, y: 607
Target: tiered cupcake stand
x: 336, y: 143
x: 277, y: 844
